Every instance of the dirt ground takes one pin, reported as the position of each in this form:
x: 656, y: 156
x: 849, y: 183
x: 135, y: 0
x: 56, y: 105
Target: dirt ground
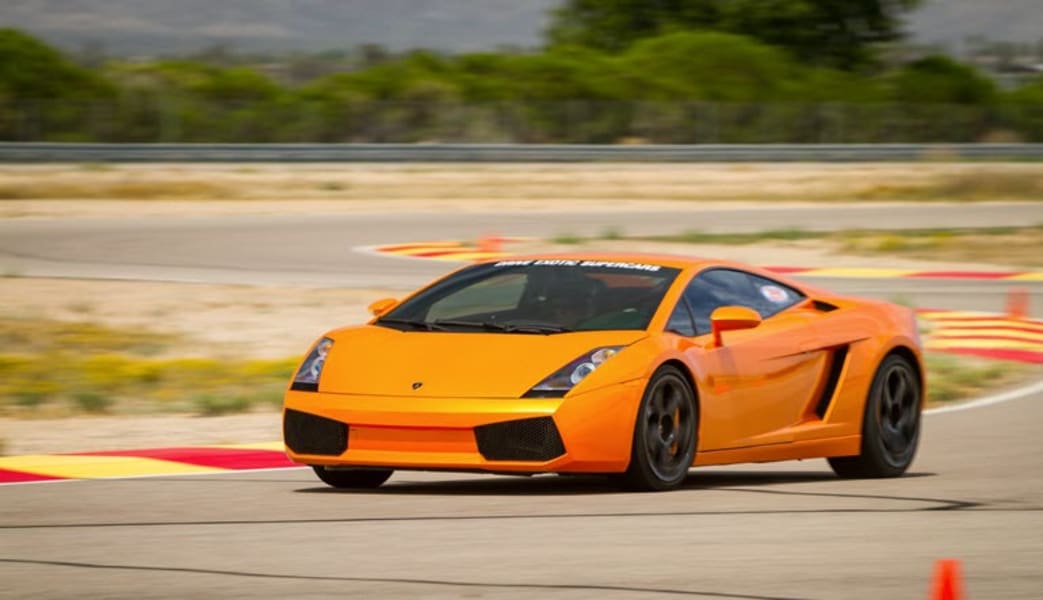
x: 208, y: 320
x: 59, y: 190
x: 91, y: 433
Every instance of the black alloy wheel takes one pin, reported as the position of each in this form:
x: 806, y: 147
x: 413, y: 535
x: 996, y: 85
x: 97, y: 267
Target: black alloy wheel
x: 357, y: 479
x: 665, y: 433
x: 890, y: 425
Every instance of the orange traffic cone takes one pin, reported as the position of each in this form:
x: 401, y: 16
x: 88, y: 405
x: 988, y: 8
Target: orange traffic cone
x: 1017, y: 302
x: 948, y: 580
x: 489, y: 243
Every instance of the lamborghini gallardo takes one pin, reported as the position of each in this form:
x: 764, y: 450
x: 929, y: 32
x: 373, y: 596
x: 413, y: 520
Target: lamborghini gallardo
x: 634, y: 366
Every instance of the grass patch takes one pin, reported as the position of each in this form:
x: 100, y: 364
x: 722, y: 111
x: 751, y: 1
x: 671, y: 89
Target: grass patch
x: 952, y: 377
x: 52, y: 368
x: 104, y: 383
x: 119, y: 190
x: 568, y: 239
x: 32, y: 336
x: 209, y: 405
x: 972, y: 186
x: 332, y: 186
x: 611, y: 233
x: 1001, y: 245
x: 92, y: 402
x: 702, y: 237
x: 96, y: 167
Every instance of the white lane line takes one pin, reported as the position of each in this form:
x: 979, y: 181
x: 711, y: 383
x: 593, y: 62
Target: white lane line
x: 1007, y: 396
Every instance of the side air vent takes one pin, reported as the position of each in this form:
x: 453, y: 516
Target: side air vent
x: 824, y: 306
x: 526, y: 439
x: 311, y: 434
x: 836, y: 365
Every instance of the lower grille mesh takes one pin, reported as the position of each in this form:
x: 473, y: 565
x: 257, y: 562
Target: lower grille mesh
x: 312, y: 434
x: 527, y: 439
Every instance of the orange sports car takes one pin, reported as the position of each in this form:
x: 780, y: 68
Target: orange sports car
x: 638, y: 366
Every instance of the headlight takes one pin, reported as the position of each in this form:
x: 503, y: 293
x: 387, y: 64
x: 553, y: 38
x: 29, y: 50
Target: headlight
x: 307, y: 377
x: 563, y: 380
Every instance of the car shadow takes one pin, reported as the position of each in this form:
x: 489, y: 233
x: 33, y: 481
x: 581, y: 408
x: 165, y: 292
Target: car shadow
x: 565, y: 485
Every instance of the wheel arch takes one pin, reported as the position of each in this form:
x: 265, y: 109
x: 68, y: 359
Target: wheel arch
x: 913, y: 358
x: 687, y: 374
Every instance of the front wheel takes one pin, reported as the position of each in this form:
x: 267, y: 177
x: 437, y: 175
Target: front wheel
x: 890, y: 425
x: 664, y: 435
x: 357, y: 479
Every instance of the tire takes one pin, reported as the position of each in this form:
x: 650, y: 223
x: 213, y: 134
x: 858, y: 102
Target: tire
x: 352, y: 479
x: 890, y: 424
x: 665, y: 433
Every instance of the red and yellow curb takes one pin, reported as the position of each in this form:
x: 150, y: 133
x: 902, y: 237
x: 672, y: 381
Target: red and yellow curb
x: 188, y: 460
x: 872, y: 273
x: 450, y: 250
x: 986, y: 335
x: 491, y: 247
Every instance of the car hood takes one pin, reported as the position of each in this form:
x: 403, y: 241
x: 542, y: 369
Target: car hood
x: 376, y: 360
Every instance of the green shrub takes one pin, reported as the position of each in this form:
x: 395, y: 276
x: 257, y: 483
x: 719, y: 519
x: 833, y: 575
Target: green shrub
x: 209, y: 405
x: 92, y: 402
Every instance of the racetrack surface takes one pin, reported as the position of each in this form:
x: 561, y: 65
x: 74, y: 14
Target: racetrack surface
x: 320, y: 249
x: 787, y: 530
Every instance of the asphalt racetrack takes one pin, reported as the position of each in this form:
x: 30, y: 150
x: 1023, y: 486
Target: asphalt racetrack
x: 788, y: 530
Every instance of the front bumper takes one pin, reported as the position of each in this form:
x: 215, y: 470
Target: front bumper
x: 594, y: 431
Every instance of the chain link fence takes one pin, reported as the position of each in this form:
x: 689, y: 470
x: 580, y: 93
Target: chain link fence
x: 175, y: 120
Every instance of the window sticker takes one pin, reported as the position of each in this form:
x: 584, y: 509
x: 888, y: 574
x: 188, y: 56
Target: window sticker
x: 555, y: 262
x: 774, y: 294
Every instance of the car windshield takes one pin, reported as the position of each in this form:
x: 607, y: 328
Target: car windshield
x: 538, y: 296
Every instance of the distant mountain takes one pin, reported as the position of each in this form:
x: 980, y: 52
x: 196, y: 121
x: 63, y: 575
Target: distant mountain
x: 951, y: 22
x: 177, y: 26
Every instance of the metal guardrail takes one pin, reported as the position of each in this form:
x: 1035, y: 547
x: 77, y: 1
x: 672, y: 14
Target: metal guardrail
x: 60, y: 152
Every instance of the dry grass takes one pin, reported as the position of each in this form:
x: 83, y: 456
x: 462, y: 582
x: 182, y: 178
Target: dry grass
x: 53, y: 368
x: 975, y: 185
x: 226, y: 321
x: 1020, y: 246
x: 461, y: 183
x: 951, y: 378
x: 222, y: 349
x: 42, y: 336
x: 120, y: 190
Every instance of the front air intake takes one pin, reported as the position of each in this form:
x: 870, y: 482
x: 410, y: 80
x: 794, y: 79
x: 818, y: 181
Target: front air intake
x: 311, y: 434
x: 527, y: 439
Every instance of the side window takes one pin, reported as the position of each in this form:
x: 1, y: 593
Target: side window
x: 727, y: 287
x: 772, y: 296
x: 681, y: 320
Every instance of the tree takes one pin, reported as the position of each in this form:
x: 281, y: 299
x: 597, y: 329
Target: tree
x: 835, y: 33
x: 707, y: 66
x: 32, y: 70
x: 941, y: 80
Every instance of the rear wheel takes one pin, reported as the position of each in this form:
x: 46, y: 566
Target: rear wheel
x: 352, y: 478
x: 665, y: 433
x: 890, y: 425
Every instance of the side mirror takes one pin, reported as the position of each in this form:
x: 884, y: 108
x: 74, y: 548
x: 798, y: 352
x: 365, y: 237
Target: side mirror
x: 731, y: 318
x: 382, y: 307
